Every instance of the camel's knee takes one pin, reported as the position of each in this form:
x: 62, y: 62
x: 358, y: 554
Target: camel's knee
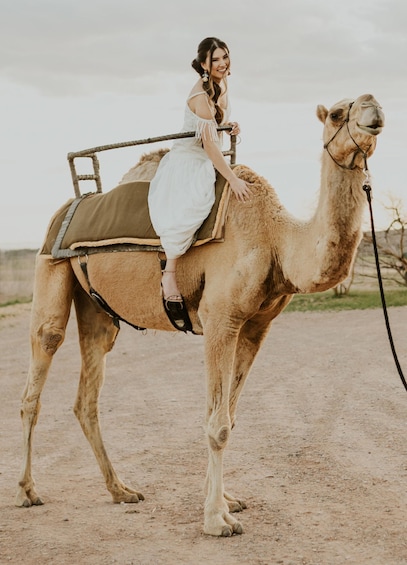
x: 219, y: 439
x: 50, y: 338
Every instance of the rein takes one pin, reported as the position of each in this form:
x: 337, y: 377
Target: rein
x: 368, y: 190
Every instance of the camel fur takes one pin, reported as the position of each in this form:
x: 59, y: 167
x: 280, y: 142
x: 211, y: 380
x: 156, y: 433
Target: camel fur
x: 233, y: 291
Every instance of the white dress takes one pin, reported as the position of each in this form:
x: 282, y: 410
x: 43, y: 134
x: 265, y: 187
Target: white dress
x: 182, y: 191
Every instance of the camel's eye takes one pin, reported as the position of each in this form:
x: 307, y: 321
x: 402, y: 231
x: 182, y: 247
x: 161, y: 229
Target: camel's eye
x: 336, y: 116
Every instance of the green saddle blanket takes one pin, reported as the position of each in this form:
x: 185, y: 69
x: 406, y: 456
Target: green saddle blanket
x: 121, y: 217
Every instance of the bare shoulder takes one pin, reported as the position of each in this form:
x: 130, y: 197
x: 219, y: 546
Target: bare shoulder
x: 200, y: 104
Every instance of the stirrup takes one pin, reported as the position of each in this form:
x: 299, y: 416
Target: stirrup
x: 176, y: 310
x: 177, y: 313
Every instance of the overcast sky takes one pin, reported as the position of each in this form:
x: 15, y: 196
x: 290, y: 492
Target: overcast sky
x: 79, y: 73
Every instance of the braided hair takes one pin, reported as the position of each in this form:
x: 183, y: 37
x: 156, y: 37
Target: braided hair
x: 212, y: 88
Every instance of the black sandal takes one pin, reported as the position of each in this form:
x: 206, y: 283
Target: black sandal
x: 175, y: 307
x: 177, y: 313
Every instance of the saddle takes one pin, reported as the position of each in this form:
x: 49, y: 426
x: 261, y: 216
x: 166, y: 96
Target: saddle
x: 119, y: 220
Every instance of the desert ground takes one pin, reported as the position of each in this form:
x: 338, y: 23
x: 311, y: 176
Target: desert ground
x: 319, y: 452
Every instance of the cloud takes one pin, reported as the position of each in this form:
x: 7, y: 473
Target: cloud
x: 281, y: 51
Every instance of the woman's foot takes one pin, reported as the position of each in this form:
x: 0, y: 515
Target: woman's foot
x: 169, y: 287
x: 174, y: 303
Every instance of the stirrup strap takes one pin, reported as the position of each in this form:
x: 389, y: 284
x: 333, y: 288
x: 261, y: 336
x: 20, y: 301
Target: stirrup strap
x: 101, y: 302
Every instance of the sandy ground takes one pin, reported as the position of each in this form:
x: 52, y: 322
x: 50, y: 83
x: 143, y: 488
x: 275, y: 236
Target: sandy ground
x: 319, y: 450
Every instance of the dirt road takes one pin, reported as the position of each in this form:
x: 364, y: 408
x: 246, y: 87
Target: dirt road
x: 318, y: 452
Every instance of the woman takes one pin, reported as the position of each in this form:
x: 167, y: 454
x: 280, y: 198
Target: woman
x: 182, y: 192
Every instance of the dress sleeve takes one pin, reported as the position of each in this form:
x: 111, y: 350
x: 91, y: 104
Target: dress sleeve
x: 206, y: 130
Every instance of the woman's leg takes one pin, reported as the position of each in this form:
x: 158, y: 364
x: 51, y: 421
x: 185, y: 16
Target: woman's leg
x: 173, y: 302
x: 169, y: 281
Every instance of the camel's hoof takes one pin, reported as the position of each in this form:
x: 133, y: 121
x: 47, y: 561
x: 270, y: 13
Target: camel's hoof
x: 229, y: 527
x: 130, y: 497
x: 27, y: 502
x: 237, y: 528
x: 226, y: 532
x: 135, y: 498
x: 236, y: 505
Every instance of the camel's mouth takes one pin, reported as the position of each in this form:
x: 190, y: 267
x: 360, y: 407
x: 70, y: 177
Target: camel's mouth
x: 373, y: 129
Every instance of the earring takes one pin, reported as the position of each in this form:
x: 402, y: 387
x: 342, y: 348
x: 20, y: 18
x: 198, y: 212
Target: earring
x: 205, y: 76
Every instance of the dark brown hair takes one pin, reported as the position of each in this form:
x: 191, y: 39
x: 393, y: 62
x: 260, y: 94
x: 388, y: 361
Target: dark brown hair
x: 205, y: 48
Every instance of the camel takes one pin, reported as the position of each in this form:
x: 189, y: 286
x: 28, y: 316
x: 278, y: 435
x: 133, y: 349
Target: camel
x: 233, y: 291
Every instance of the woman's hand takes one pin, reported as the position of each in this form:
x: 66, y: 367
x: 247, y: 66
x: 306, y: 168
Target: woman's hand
x: 240, y: 189
x: 235, y: 128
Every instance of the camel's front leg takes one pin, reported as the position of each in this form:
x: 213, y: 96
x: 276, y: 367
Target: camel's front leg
x: 49, y: 317
x: 97, y: 336
x: 219, y: 355
x: 249, y: 341
x: 250, y: 338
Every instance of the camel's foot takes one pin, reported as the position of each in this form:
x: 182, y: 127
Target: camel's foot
x: 121, y: 493
x: 221, y: 524
x: 27, y: 497
x: 234, y: 504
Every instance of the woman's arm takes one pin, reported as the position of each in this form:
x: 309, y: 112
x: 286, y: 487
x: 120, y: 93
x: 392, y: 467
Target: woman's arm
x: 239, y: 187
x: 200, y: 106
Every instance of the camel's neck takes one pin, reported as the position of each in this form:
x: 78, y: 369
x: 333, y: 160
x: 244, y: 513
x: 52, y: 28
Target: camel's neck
x: 329, y: 241
x: 341, y: 200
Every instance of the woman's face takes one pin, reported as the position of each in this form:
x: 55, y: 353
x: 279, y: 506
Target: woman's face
x: 220, y: 64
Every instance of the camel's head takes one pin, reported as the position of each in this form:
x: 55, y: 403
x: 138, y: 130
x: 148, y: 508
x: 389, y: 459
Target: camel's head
x: 350, y: 131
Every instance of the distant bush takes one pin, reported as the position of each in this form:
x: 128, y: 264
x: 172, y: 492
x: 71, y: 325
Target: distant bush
x: 16, y: 274
x: 358, y: 300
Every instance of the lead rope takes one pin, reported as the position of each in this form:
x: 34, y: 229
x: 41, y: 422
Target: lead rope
x: 368, y: 189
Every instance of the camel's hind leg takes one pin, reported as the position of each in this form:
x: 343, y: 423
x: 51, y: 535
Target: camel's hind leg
x: 97, y: 335
x: 50, y: 313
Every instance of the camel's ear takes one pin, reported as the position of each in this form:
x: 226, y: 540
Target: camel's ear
x: 322, y: 113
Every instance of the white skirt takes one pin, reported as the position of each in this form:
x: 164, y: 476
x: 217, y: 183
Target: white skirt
x: 181, y: 196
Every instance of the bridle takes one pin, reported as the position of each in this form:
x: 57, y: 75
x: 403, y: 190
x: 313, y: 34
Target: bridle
x: 352, y: 166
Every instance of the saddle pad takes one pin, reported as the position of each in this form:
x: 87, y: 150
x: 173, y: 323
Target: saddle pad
x: 121, y: 216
